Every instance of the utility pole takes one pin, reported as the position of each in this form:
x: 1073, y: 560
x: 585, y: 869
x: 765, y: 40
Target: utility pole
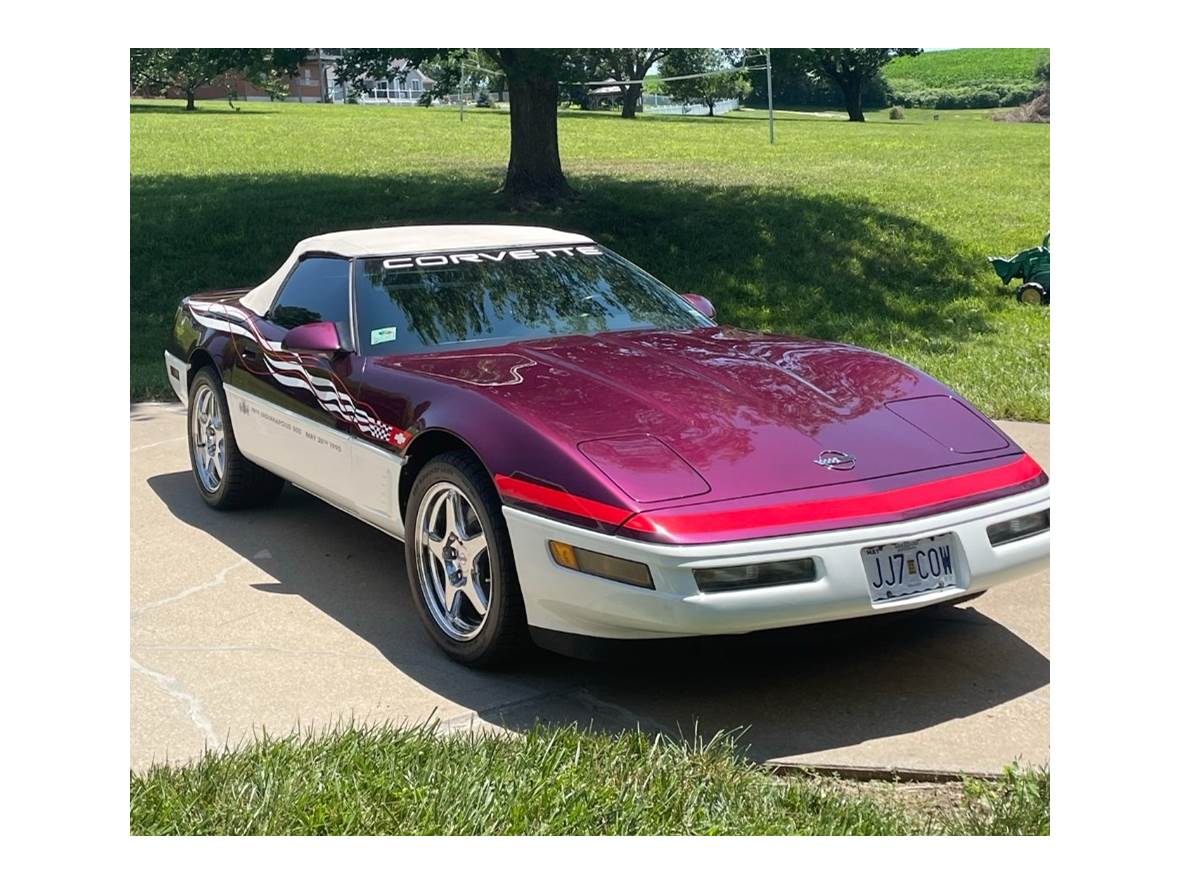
x: 461, y: 72
x: 769, y: 96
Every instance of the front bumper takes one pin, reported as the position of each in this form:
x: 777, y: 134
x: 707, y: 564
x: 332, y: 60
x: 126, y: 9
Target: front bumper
x: 566, y: 601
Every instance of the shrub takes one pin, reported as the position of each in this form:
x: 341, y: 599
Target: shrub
x: 911, y: 94
x: 1035, y: 111
x: 896, y: 112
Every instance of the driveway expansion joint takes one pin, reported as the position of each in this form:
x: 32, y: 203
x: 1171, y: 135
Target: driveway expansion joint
x: 172, y: 686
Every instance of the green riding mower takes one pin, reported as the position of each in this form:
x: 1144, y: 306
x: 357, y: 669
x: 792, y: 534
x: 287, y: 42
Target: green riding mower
x: 1031, y: 267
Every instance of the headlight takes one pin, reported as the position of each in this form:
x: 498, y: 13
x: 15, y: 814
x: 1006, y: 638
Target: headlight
x: 760, y: 574
x: 1020, y: 527
x: 610, y: 567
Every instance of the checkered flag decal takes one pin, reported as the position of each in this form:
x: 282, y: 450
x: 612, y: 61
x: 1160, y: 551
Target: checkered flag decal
x: 288, y: 369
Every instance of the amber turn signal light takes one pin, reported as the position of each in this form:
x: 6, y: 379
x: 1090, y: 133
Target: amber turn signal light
x: 600, y: 565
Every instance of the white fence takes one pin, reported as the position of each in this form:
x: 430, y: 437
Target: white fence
x: 661, y: 104
x: 470, y: 98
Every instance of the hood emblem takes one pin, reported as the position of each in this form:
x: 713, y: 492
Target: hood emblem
x: 833, y: 460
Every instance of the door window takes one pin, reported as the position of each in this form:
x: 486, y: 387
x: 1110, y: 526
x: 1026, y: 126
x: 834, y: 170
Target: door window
x: 316, y: 292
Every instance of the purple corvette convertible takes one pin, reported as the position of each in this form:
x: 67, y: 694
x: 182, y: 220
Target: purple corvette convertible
x: 572, y: 451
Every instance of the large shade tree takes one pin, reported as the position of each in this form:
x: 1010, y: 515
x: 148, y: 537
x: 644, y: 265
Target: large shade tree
x: 850, y: 70
x: 533, y: 78
x: 629, y: 65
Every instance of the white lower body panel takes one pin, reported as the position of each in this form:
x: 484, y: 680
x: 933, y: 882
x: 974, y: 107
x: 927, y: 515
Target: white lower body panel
x: 560, y: 599
x: 177, y: 370
x: 350, y: 473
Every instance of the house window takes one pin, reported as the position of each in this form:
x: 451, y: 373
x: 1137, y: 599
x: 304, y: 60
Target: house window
x: 381, y: 90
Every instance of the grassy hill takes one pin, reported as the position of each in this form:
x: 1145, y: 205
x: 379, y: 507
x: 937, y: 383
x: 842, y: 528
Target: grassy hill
x: 965, y: 78
x: 876, y: 234
x: 964, y: 67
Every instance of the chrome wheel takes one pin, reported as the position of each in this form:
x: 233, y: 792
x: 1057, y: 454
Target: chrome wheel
x: 208, y: 438
x: 452, y: 557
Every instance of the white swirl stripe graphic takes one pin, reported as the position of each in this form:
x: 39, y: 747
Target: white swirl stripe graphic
x: 330, y: 397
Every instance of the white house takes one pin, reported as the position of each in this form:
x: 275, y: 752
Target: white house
x: 406, y: 88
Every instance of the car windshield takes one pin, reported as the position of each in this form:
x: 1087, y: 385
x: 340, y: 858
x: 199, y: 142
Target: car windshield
x: 412, y: 303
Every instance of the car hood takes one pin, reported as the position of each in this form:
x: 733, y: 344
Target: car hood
x: 720, y: 413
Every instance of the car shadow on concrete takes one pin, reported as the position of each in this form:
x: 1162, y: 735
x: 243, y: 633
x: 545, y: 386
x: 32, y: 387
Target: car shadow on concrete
x: 789, y: 692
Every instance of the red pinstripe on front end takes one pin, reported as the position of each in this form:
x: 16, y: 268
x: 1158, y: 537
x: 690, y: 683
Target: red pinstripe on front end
x: 529, y: 492
x: 782, y: 518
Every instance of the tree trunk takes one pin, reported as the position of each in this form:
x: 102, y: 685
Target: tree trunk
x: 534, y: 165
x: 631, y: 99
x: 190, y: 102
x: 852, y: 99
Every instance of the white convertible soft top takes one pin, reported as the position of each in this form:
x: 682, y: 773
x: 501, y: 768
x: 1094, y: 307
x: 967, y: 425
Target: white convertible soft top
x: 405, y: 240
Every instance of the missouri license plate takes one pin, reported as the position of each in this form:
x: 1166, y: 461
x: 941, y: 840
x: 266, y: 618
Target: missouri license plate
x: 895, y: 571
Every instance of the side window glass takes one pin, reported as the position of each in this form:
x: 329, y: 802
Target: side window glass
x: 316, y: 291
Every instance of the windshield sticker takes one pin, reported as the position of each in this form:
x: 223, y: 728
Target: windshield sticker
x: 409, y: 262
x: 380, y: 336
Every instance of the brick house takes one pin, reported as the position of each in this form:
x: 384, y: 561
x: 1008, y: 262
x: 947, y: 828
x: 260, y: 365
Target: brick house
x: 315, y: 81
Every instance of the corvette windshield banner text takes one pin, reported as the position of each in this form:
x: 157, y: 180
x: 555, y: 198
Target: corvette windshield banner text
x: 409, y: 262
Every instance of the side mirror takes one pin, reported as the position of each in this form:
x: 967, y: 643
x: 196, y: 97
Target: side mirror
x: 701, y: 303
x: 320, y: 338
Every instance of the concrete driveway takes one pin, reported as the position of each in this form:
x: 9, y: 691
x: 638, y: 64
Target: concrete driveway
x: 299, y: 616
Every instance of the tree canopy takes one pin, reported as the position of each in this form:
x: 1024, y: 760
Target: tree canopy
x: 850, y: 70
x: 628, y: 65
x: 725, y: 83
x: 187, y: 70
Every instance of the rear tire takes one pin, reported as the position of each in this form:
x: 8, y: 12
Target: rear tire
x: 225, y: 479
x: 1032, y: 293
x: 459, y: 560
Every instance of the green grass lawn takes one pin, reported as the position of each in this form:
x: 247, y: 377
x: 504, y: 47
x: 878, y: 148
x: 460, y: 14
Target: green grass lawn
x: 962, y: 67
x: 875, y: 234
x: 547, y: 781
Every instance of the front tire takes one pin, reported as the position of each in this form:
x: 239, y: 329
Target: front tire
x: 460, y: 565
x: 225, y: 479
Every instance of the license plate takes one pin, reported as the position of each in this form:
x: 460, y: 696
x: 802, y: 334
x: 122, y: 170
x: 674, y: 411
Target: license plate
x: 895, y: 571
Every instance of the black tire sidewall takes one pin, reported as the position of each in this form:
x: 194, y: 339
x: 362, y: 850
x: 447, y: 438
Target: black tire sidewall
x: 484, y: 648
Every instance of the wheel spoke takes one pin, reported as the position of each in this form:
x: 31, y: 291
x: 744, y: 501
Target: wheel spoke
x: 438, y: 575
x: 475, y: 546
x: 474, y: 593
x: 452, y: 510
x: 451, y: 599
